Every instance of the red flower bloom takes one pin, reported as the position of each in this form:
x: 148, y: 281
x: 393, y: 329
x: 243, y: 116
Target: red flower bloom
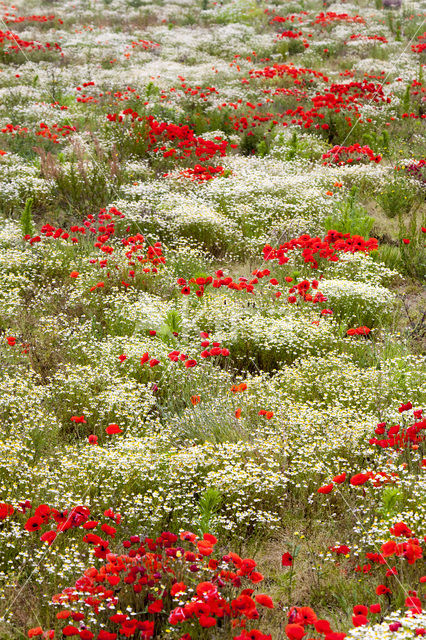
x: 359, y: 621
x: 155, y: 607
x: 286, y: 559
x: 339, y: 479
x: 295, y: 631
x: 326, y: 488
x: 264, y: 600
x: 113, y: 429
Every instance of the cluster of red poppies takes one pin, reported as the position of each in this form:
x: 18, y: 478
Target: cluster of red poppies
x: 357, y: 36
x: 12, y: 18
x: 313, y: 249
x: 358, y: 331
x: 14, y: 129
x: 399, y: 437
x: 421, y: 46
x: 17, y: 44
x: 353, y: 154
x: 280, y: 70
x: 172, y: 562
x: 331, y: 16
x: 201, y: 173
x: 161, y: 135
x: 55, y: 131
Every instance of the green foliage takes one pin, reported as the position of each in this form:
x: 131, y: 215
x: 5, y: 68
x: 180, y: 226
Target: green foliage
x: 27, y: 225
x: 406, y: 100
x: 396, y: 198
x: 377, y: 141
x: 208, y: 505
x: 391, y: 501
x: 172, y: 324
x: 350, y: 217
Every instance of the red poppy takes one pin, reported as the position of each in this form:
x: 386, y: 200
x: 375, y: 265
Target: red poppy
x: 322, y: 626
x: 5, y: 510
x: 339, y: 479
x: 360, y: 479
x: 70, y: 630
x: 156, y: 606
x: 382, y: 590
x: 286, y: 559
x: 113, y: 429
x: 360, y: 610
x: 49, y: 537
x: 34, y: 523
x: 264, y: 600
x: 295, y: 631
x: 326, y: 488
x: 359, y: 621
x: 375, y: 608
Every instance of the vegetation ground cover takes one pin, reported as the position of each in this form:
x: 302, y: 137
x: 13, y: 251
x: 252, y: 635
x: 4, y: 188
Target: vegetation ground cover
x: 212, y: 318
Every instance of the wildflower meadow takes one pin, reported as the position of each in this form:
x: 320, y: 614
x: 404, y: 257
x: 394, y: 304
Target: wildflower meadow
x: 212, y: 320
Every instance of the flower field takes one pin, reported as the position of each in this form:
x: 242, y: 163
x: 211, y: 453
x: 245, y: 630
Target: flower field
x: 212, y: 320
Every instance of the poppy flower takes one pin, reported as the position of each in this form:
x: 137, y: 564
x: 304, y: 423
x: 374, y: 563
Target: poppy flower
x: 74, y: 274
x: 34, y: 523
x: 78, y: 420
x: 34, y: 632
x: 156, y: 606
x: 359, y: 620
x: 6, y: 510
x: 256, y: 577
x: 207, y: 621
x: 70, y: 630
x: 400, y: 529
x: 49, y: 537
x: 264, y: 600
x: 359, y: 479
x: 93, y: 439
x: 382, y: 590
x: 110, y: 531
x: 122, y: 358
x: 360, y: 610
x: 11, y: 341
x: 295, y: 631
x: 322, y: 626
x: 195, y: 400
x: 405, y: 240
x: 112, y: 429
x: 328, y: 488
x: 190, y: 363
x: 238, y: 413
x: 375, y: 608
x: 339, y: 479
x: 153, y: 362
x: 286, y: 559
x: 405, y: 407
x: 306, y: 615
x: 178, y: 587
